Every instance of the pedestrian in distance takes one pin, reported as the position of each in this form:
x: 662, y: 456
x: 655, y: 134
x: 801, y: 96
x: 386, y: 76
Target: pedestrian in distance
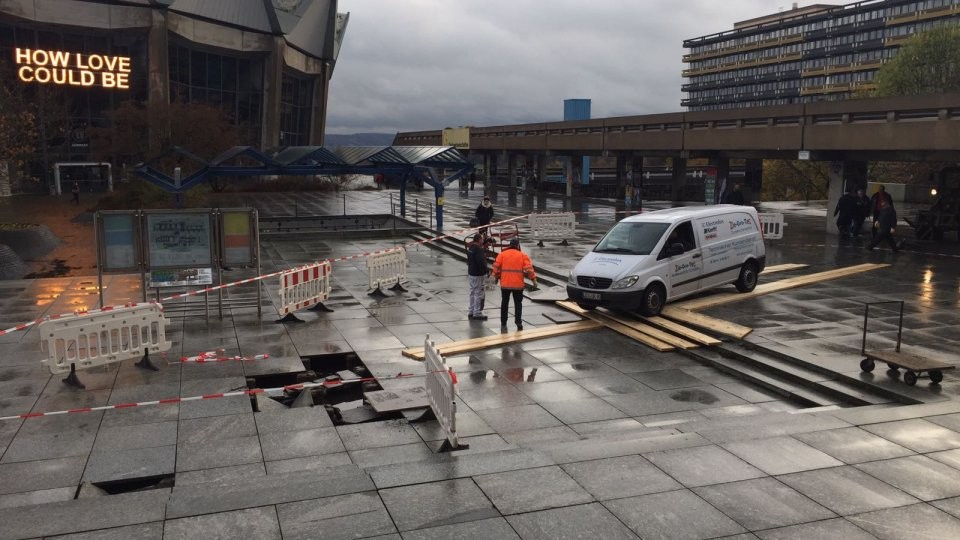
x: 511, y: 266
x: 477, y: 272
x: 884, y: 226
x: 484, y: 214
x: 845, y: 211
x: 862, y: 210
x: 880, y: 195
x: 735, y: 196
x: 76, y: 193
x: 473, y: 180
x: 628, y: 195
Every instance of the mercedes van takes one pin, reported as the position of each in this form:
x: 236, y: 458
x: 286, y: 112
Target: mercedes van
x: 650, y: 259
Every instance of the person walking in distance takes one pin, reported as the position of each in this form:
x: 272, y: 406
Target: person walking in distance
x: 861, y: 211
x: 735, y: 196
x: 886, y: 222
x: 484, y: 214
x: 511, y: 266
x: 845, y: 211
x: 476, y: 274
x: 76, y: 193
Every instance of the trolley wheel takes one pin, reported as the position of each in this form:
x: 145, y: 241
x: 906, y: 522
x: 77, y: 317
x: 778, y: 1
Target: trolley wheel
x: 936, y: 376
x: 894, y: 367
x: 867, y: 365
x: 910, y: 377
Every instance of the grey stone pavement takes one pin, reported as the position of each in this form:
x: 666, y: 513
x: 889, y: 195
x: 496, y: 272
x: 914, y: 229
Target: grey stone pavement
x: 583, y: 436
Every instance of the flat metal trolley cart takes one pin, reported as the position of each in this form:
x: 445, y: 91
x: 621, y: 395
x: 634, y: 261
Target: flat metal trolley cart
x: 913, y: 365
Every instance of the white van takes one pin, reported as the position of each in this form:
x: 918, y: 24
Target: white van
x: 649, y: 259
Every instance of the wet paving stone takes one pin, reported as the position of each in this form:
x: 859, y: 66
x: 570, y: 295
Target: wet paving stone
x: 915, y: 521
x: 828, y: 528
x: 781, y: 455
x: 667, y: 379
x: 484, y: 529
x: 251, y: 522
x: 918, y: 435
x: 570, y: 523
x: 582, y: 410
x: 532, y: 489
x: 377, y: 434
x: 436, y: 504
x: 522, y: 418
x: 615, y: 478
x: 847, y: 491
x: 358, y: 515
x: 919, y: 476
x: 555, y: 391
x: 674, y: 514
x: 703, y: 465
x: 853, y: 445
x: 295, y: 444
x: 763, y: 503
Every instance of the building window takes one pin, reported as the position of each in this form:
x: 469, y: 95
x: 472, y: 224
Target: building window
x: 296, y: 110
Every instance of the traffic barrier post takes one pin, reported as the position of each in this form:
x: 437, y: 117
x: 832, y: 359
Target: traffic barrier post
x: 99, y: 337
x: 772, y: 225
x: 553, y: 226
x: 442, y: 393
x: 305, y: 287
x: 387, y: 269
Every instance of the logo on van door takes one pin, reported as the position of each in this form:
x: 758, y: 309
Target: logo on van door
x: 685, y: 268
x: 744, y: 223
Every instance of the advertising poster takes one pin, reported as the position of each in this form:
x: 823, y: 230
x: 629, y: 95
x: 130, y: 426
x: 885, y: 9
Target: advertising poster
x: 119, y: 242
x: 179, y: 240
x: 237, y: 238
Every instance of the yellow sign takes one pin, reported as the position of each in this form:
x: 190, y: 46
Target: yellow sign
x: 72, y: 69
x: 458, y: 138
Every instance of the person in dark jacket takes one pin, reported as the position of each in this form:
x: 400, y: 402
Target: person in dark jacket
x: 875, y: 199
x: 886, y: 222
x: 476, y: 274
x: 845, y: 210
x: 862, y: 210
x: 484, y: 214
x: 735, y: 196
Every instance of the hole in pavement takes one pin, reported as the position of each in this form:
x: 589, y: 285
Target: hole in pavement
x: 342, y: 399
x: 144, y: 483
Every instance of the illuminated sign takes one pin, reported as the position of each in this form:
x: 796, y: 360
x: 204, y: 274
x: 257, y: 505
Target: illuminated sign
x: 72, y: 69
x: 458, y: 138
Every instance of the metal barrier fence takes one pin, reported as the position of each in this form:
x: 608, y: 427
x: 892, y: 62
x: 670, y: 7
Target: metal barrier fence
x: 102, y: 337
x: 772, y: 225
x: 387, y: 269
x: 304, y: 287
x: 553, y: 226
x: 441, y: 392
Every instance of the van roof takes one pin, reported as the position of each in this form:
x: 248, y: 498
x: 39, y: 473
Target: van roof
x: 688, y: 212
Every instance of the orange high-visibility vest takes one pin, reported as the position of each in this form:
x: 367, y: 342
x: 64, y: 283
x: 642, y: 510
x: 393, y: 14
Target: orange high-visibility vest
x: 510, y: 267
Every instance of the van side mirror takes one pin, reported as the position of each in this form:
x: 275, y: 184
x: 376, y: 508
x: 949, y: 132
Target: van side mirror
x: 675, y: 248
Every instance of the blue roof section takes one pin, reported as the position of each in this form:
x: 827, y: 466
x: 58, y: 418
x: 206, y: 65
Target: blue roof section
x: 307, y: 155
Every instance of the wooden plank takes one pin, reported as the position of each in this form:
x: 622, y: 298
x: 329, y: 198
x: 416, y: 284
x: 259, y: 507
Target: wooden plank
x: 520, y: 336
x: 631, y: 331
x: 681, y: 330
x: 719, y: 326
x: 785, y: 267
x: 776, y: 286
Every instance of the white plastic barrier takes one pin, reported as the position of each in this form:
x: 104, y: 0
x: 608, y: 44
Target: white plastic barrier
x: 103, y: 336
x: 553, y: 226
x: 441, y: 391
x: 386, y: 269
x: 304, y: 287
x: 772, y: 226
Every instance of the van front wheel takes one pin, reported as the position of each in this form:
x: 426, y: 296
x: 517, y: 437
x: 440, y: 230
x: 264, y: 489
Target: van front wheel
x: 653, y: 298
x: 747, y: 281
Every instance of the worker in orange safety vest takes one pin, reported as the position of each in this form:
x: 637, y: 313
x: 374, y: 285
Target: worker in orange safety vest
x: 510, y: 268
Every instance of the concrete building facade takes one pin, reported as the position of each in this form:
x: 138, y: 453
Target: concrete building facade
x: 815, y: 53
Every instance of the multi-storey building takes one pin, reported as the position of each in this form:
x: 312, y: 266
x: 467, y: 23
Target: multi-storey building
x: 815, y: 53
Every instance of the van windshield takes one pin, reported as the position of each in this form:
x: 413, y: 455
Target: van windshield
x: 634, y: 238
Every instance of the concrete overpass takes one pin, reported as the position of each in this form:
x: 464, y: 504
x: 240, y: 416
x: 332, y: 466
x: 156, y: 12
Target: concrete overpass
x: 849, y: 133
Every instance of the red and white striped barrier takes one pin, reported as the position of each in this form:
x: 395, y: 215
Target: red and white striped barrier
x: 772, y: 225
x: 219, y: 355
x: 562, y: 226
x: 301, y: 288
x: 387, y: 269
x: 442, y: 392
x: 102, y: 336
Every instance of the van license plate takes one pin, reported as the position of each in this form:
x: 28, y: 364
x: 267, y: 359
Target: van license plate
x: 591, y: 296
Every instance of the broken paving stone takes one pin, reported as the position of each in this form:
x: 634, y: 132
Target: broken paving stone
x: 398, y: 399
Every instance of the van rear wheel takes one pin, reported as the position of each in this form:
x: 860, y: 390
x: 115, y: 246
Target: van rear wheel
x: 654, y: 297
x: 747, y: 281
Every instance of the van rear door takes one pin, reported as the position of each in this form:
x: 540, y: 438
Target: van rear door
x: 684, y: 270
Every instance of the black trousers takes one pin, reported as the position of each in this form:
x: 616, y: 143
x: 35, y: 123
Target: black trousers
x: 517, y: 305
x: 883, y: 235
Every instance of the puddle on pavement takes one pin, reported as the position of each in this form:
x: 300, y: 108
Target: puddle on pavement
x: 697, y: 396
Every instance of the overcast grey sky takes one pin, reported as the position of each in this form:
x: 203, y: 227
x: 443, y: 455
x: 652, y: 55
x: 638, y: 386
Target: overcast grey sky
x: 408, y: 65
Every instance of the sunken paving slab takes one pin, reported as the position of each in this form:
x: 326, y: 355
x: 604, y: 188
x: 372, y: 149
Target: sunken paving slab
x: 292, y: 419
x: 456, y: 466
x: 570, y: 523
x: 484, y: 529
x: 437, y: 503
x: 917, y: 434
x: 41, y: 496
x: 260, y: 523
x: 853, y: 445
x: 377, y: 434
x: 83, y: 514
x: 129, y: 464
x: 588, y: 449
x: 529, y: 490
x: 703, y: 465
x: 673, y: 514
x: 780, y: 455
x: 763, y: 503
x: 915, y: 521
x: 41, y: 474
x: 920, y: 476
x: 295, y: 444
x: 216, y: 497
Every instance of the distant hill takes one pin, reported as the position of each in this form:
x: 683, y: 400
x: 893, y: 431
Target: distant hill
x: 358, y: 139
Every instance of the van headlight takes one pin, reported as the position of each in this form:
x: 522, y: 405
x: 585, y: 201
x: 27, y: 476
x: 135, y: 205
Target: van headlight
x: 626, y: 282
x: 571, y: 279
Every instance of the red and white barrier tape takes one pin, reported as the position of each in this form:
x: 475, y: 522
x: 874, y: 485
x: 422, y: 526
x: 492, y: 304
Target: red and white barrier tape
x: 218, y: 395
x: 26, y: 325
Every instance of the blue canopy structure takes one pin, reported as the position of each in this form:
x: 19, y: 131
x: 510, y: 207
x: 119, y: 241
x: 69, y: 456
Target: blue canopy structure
x: 437, y: 166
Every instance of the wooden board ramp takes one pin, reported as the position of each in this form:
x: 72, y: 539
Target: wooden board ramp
x: 520, y: 336
x: 683, y: 331
x: 637, y: 330
x: 700, y: 320
x: 776, y: 286
x: 785, y: 267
